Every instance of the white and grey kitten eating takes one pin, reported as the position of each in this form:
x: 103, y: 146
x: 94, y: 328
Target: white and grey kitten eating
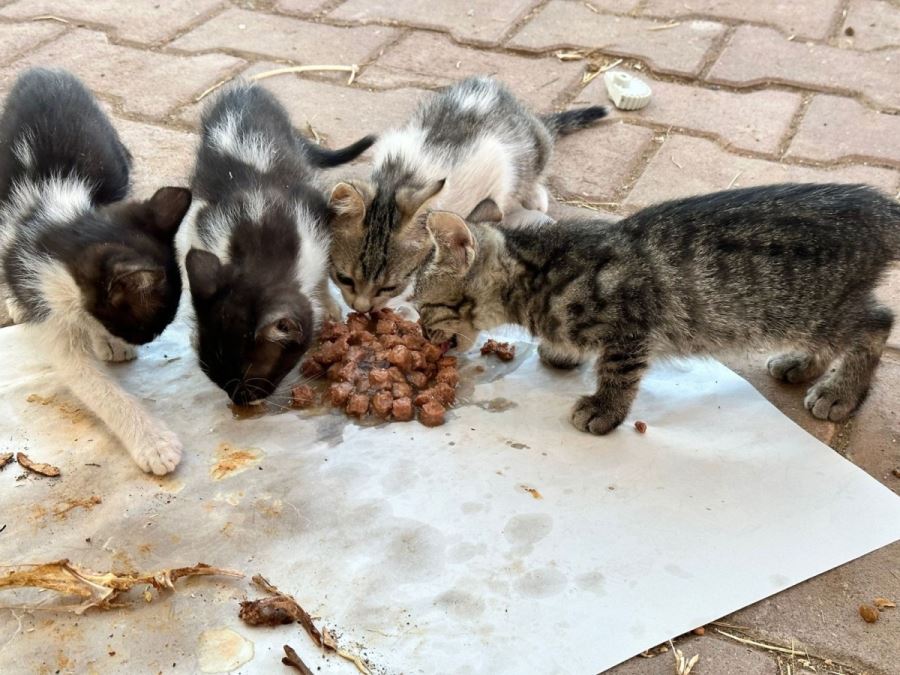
x: 470, y: 142
x: 88, y: 274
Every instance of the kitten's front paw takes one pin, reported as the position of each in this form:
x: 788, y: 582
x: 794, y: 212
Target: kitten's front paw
x: 112, y: 349
x: 593, y: 416
x: 828, y: 400
x: 158, y: 453
x: 794, y: 367
x: 331, y: 309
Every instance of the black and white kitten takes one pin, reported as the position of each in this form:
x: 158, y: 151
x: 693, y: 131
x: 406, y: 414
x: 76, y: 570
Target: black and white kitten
x: 258, y: 241
x: 789, y: 267
x: 471, y: 141
x: 89, y: 275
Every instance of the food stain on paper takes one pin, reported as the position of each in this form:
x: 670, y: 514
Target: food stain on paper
x: 532, y: 491
x: 68, y: 410
x: 231, y: 460
x: 222, y: 650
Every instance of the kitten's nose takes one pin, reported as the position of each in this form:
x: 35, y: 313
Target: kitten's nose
x: 362, y: 305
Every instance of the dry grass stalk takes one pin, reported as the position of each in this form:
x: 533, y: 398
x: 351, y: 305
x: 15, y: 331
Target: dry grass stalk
x: 666, y: 26
x: 683, y: 666
x: 96, y: 590
x: 352, y: 69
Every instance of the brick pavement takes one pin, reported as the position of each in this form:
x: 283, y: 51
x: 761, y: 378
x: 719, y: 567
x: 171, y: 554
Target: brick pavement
x: 745, y: 93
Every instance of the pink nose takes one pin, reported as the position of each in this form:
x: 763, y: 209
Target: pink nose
x: 362, y: 305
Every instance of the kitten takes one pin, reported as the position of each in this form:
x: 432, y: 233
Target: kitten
x: 785, y: 266
x: 88, y: 274
x: 469, y: 142
x: 258, y: 242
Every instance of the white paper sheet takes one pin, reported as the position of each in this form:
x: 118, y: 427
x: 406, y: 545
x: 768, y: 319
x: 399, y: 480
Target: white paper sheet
x: 423, y: 549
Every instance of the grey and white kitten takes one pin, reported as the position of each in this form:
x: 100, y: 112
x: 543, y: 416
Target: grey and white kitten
x: 791, y: 267
x: 471, y: 141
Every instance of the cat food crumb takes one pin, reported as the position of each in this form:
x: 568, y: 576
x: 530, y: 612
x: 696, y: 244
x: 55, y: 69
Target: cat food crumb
x: 382, y: 367
x: 884, y: 603
x: 896, y: 473
x: 36, y: 467
x: 699, y: 631
x: 868, y: 613
x: 302, y: 396
x: 432, y: 414
x: 641, y: 427
x: 503, y: 350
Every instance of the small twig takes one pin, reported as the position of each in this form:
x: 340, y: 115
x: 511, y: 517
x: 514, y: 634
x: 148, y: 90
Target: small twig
x: 762, y: 645
x: 610, y: 66
x: 209, y: 90
x: 592, y: 8
x: 291, y: 658
x: 672, y: 157
x: 49, y: 17
x: 570, y: 55
x: 352, y: 69
x: 665, y: 26
x: 593, y: 206
x: 734, y: 180
x: 315, y: 134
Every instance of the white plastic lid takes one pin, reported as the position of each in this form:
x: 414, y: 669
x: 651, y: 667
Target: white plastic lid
x: 626, y: 91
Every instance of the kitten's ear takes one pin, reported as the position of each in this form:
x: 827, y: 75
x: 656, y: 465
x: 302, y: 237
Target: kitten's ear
x: 131, y: 284
x: 486, y: 211
x: 347, y: 203
x: 283, y: 330
x: 204, y: 272
x: 165, y: 210
x: 455, y: 243
x: 410, y: 200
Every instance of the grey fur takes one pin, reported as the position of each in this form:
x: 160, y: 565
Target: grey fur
x: 783, y: 266
x: 477, y: 136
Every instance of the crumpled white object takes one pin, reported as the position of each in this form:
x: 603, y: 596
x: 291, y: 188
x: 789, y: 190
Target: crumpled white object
x: 504, y: 541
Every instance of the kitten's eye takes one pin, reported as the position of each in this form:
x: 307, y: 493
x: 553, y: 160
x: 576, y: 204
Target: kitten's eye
x: 387, y: 289
x: 347, y: 281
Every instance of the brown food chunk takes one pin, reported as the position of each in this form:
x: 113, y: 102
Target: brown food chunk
x: 382, y: 404
x: 423, y: 397
x: 448, y: 375
x: 385, y: 327
x: 356, y: 353
x: 503, y: 350
x: 446, y: 361
x: 334, y: 372
x: 414, y: 341
x: 332, y: 331
x: 433, y: 353
x: 358, y: 405
x: 868, y: 613
x: 399, y: 356
x: 331, y: 352
x: 303, y: 396
x: 389, y: 341
x: 361, y: 337
x: 401, y: 389
x: 641, y: 427
x: 432, y: 414
x: 417, y: 360
x: 396, y: 374
x: 444, y: 393
x: 339, y: 393
x: 403, y: 409
x: 357, y: 322
x: 405, y: 327
x: 417, y: 379
x: 312, y: 368
x: 348, y: 372
x: 380, y: 378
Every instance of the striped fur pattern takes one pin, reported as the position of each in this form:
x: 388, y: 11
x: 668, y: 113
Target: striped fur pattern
x: 787, y: 267
x: 471, y: 141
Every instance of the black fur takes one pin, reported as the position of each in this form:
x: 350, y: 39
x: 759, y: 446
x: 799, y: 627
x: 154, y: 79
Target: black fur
x: 570, y: 121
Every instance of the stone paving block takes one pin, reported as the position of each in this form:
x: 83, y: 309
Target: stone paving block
x: 143, y: 82
x: 430, y: 60
x: 717, y: 657
x: 822, y: 614
x: 874, y: 23
x: 596, y: 162
x: 873, y: 443
x: 18, y: 38
x: 808, y: 19
x: 306, y: 7
x: 147, y: 21
x: 161, y: 156
x: 836, y: 128
x: 483, y: 21
x: 285, y: 38
x: 733, y: 117
x: 763, y: 56
x: 562, y: 24
x: 702, y: 166
x: 889, y: 293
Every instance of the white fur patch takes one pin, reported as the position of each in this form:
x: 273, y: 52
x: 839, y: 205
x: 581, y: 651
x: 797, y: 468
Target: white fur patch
x: 22, y: 150
x: 488, y: 170
x: 311, y: 267
x: 479, y: 101
x: 250, y: 148
x: 56, y: 199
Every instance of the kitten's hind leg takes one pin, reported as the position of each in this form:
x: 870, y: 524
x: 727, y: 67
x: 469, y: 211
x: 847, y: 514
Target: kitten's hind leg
x: 839, y: 393
x: 557, y: 356
x: 798, y: 366
x: 619, y: 372
x: 538, y: 199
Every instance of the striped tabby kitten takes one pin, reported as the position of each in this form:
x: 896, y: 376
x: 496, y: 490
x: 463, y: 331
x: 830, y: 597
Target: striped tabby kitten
x: 784, y: 266
x: 471, y: 141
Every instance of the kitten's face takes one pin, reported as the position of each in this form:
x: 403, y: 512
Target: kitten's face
x: 379, y: 241
x: 249, y: 335
x: 132, y: 285
x: 441, y: 295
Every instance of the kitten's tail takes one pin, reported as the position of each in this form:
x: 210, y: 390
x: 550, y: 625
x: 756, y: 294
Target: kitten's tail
x: 324, y: 158
x: 569, y: 121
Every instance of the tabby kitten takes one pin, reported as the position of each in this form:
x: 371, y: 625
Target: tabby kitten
x: 473, y: 140
x: 89, y: 275
x: 785, y: 266
x: 258, y: 242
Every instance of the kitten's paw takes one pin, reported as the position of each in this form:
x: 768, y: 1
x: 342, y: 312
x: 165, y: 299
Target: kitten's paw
x: 794, y: 367
x: 828, y: 400
x: 331, y: 309
x: 593, y: 416
x: 158, y: 453
x: 556, y: 359
x: 112, y: 349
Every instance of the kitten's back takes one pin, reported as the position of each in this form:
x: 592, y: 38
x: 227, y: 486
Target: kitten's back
x: 52, y: 127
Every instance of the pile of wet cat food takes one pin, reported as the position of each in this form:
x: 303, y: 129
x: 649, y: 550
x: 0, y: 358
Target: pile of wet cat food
x: 380, y: 367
